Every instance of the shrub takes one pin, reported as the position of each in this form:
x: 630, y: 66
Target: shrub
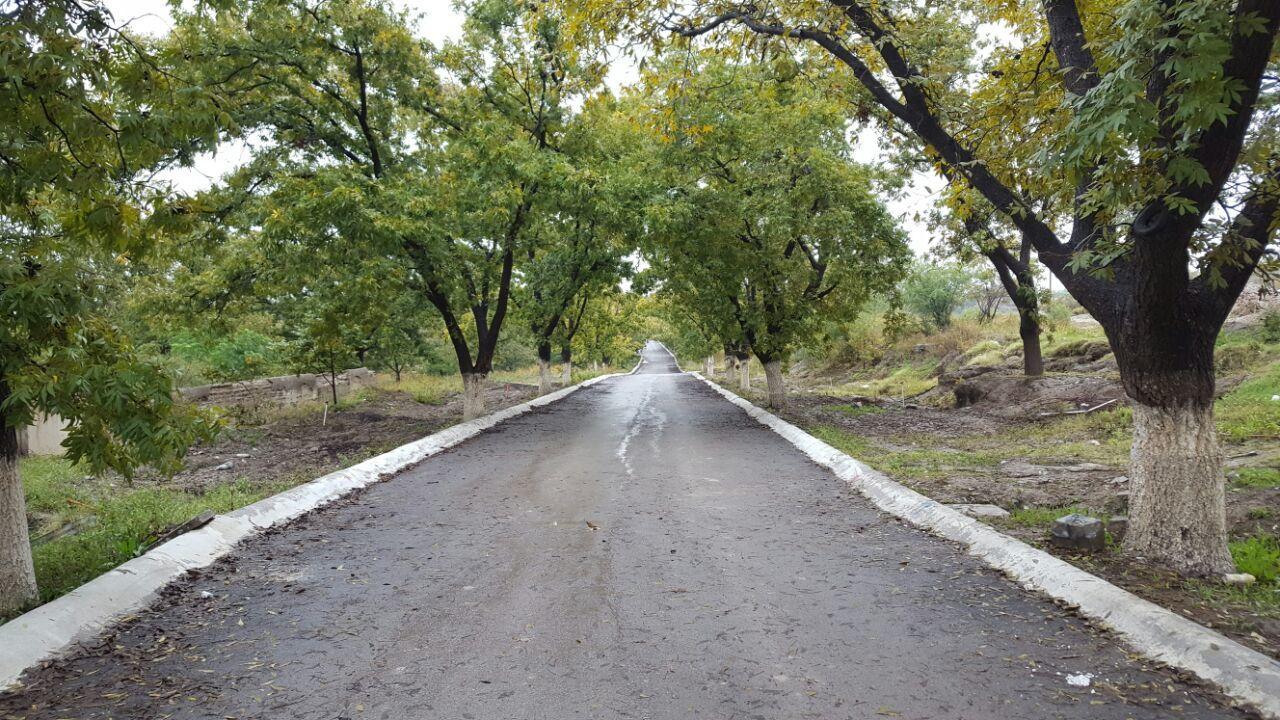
x: 933, y: 292
x: 1271, y: 326
x: 1259, y: 556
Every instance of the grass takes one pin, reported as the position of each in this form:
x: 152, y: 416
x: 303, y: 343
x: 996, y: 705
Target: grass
x: 1259, y: 556
x: 856, y: 410
x: 127, y: 518
x: 915, y: 463
x: 1041, y: 517
x: 1248, y: 412
x: 1258, y: 477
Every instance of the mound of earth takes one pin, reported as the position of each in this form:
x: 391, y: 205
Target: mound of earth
x: 1018, y: 396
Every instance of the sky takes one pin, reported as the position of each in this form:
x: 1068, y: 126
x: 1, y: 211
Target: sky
x: 440, y: 21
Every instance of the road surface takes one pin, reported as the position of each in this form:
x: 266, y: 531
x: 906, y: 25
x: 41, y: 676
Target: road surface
x: 641, y: 549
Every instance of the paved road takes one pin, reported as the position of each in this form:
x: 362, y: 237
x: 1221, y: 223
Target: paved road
x: 641, y: 549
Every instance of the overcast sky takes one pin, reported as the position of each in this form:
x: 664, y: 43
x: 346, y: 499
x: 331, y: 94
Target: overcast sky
x: 440, y: 21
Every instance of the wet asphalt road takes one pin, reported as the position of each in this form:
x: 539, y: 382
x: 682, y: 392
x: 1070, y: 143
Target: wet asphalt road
x: 641, y: 549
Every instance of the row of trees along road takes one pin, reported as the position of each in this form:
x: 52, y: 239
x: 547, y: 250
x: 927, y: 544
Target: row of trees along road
x: 760, y: 224
x: 463, y: 167
x: 1131, y: 145
x: 387, y: 177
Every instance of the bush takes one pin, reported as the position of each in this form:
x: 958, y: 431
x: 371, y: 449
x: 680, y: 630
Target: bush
x: 1271, y: 326
x: 933, y: 292
x: 1237, y: 357
x: 1259, y: 556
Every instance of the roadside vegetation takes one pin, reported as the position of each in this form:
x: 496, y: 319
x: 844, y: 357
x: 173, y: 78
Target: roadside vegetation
x: 84, y: 524
x: 942, y: 408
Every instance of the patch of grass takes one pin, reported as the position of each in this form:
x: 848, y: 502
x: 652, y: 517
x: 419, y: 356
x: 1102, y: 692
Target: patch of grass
x: 424, y: 388
x: 127, y: 518
x: 906, y: 381
x: 916, y: 463
x: 1260, y: 513
x: 1259, y: 556
x: 1248, y: 412
x: 856, y: 410
x: 1041, y: 517
x: 1258, y: 477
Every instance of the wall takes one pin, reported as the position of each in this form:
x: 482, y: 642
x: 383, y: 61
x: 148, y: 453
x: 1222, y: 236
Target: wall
x: 279, y: 391
x: 44, y: 437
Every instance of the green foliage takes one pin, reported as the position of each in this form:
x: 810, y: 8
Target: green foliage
x: 1271, y: 326
x: 758, y: 220
x: 85, y: 129
x: 934, y: 291
x: 125, y: 519
x: 246, y: 354
x: 1259, y: 556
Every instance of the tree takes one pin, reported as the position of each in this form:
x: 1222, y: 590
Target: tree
x: 89, y: 118
x: 366, y: 146
x: 934, y: 291
x: 987, y: 295
x: 579, y: 246
x: 762, y: 219
x: 1172, y: 181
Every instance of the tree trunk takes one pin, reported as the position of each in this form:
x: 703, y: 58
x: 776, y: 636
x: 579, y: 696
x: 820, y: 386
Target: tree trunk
x: 1177, y: 512
x: 1177, y: 515
x: 1029, y: 330
x: 544, y: 376
x: 709, y: 367
x: 17, y: 573
x: 744, y: 374
x: 544, y: 368
x: 777, y: 389
x: 473, y: 395
x: 566, y: 366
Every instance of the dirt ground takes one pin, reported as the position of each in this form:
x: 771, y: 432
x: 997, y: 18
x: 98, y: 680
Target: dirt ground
x: 1002, y: 452
x: 275, y: 446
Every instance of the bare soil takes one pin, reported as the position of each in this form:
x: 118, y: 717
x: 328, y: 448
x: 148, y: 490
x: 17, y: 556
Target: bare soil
x: 304, y: 443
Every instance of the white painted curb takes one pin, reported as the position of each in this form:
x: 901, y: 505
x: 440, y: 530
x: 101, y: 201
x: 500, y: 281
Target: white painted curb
x: 48, y: 630
x: 1245, y: 675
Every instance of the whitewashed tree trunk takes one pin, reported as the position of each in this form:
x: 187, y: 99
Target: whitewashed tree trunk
x: 744, y: 374
x: 473, y: 395
x: 1176, y: 505
x: 777, y: 389
x: 566, y: 374
x: 17, y: 573
x: 709, y: 367
x: 544, y: 376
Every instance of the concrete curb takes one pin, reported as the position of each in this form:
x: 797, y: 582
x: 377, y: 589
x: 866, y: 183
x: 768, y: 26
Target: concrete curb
x: 1248, y: 677
x: 52, y: 628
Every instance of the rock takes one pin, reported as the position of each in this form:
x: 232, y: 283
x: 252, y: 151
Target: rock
x: 1239, y: 579
x: 980, y: 510
x: 225, y: 466
x: 1117, y: 504
x: 1078, y: 532
x: 1118, y: 526
x: 1119, y: 480
x: 242, y: 455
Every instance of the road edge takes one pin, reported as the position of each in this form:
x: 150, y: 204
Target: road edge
x: 1247, y: 676
x: 45, y: 632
